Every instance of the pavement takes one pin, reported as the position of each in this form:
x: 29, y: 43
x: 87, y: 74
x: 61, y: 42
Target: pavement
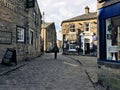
x: 4, y: 69
x: 90, y: 66
x: 88, y: 63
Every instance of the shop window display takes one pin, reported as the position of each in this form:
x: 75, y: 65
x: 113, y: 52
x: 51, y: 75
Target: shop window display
x: 113, y: 38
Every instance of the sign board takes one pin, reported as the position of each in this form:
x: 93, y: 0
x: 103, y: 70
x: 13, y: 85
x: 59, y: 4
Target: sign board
x: 30, y: 3
x: 113, y: 49
x: 5, y: 37
x: 9, y: 57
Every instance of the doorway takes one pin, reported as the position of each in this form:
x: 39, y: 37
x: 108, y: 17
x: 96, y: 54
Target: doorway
x: 87, y: 48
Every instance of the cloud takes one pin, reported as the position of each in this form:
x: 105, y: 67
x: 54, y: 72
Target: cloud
x: 59, y: 4
x: 59, y: 10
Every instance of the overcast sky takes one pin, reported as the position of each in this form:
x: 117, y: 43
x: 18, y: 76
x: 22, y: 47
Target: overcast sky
x: 59, y: 10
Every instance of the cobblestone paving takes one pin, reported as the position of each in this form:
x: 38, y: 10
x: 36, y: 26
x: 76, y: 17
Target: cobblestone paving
x: 46, y: 73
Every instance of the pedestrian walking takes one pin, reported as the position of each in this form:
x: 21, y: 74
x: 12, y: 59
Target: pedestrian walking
x: 78, y: 49
x: 55, y: 50
x: 94, y: 50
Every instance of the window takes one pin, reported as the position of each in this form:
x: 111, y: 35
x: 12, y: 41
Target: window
x: 113, y: 38
x: 72, y: 27
x: 31, y: 37
x: 86, y: 26
x: 20, y: 34
x: 35, y: 18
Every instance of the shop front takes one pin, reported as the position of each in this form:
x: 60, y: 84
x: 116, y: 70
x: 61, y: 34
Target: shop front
x: 109, y: 46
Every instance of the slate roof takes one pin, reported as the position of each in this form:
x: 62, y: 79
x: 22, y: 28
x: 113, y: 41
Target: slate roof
x: 82, y: 17
x: 48, y: 24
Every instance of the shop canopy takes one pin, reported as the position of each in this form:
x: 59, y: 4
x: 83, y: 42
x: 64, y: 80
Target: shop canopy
x: 109, y: 11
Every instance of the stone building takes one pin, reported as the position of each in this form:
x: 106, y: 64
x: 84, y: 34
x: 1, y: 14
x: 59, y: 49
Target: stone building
x: 48, y: 36
x: 59, y: 43
x: 109, y: 43
x: 20, y: 22
x: 80, y: 31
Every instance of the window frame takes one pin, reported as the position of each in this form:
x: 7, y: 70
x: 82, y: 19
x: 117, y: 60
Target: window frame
x: 22, y: 34
x: 87, y: 27
x: 31, y: 35
x: 72, y: 28
x: 112, y: 40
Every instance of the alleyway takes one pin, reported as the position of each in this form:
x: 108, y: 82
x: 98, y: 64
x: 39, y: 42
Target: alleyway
x: 46, y: 73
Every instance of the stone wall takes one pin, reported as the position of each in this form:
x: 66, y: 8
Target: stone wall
x: 14, y: 13
x: 109, y: 77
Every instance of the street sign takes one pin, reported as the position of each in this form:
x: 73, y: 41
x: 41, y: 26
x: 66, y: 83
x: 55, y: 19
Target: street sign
x: 9, y: 57
x: 5, y: 37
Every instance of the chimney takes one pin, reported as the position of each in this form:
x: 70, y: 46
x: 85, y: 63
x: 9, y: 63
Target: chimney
x: 86, y: 10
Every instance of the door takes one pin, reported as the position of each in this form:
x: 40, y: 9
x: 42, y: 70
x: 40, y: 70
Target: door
x: 87, y: 48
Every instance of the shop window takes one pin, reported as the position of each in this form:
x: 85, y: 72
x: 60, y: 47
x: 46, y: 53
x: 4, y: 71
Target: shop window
x: 20, y: 34
x: 112, y: 39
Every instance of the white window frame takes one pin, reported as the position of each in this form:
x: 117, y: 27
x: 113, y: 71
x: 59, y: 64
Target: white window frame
x: 20, y: 34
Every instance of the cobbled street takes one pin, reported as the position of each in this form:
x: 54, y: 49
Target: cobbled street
x: 47, y: 73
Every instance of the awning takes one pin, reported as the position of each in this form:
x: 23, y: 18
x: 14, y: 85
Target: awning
x: 110, y: 11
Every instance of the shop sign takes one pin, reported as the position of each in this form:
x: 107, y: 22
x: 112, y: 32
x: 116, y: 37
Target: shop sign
x: 5, y: 37
x: 113, y: 49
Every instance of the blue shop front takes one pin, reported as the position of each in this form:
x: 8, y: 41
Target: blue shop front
x: 109, y: 46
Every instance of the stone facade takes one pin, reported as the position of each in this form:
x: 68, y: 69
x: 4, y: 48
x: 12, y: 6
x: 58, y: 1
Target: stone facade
x: 77, y: 28
x: 59, y: 43
x: 48, y: 35
x: 24, y: 25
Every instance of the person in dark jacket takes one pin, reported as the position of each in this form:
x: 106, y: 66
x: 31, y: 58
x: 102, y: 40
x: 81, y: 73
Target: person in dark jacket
x: 55, y: 50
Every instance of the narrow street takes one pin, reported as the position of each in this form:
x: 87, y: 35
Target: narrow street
x: 47, y: 73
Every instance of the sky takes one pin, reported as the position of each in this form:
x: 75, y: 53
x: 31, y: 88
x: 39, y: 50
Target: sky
x: 58, y: 10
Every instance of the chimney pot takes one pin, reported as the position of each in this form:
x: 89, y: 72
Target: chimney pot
x: 86, y: 10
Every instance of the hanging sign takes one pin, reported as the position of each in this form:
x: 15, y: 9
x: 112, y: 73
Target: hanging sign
x: 30, y: 3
